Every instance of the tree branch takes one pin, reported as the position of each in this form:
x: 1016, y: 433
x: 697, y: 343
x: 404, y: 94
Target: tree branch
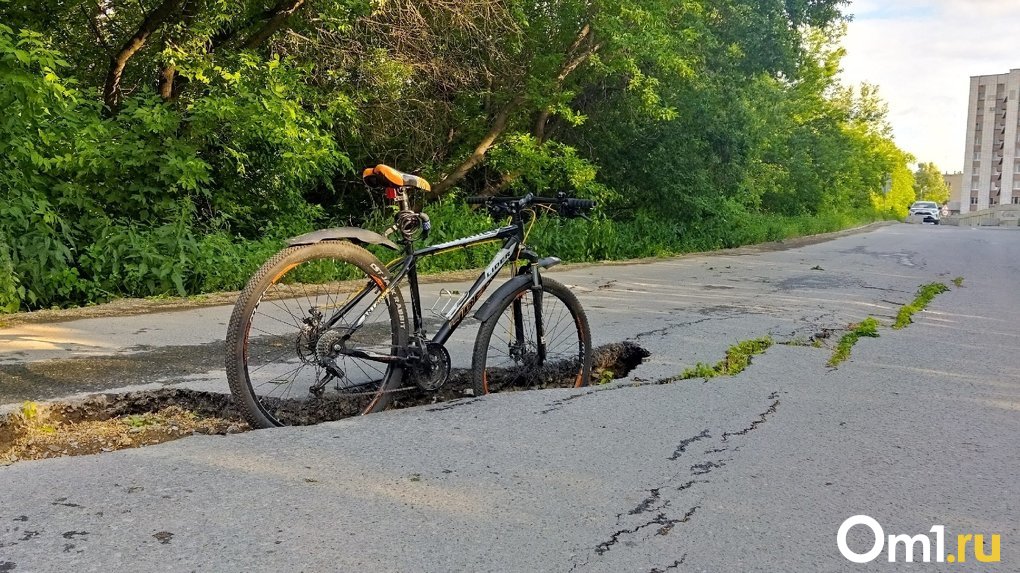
x: 280, y: 14
x: 499, y: 124
x: 151, y: 23
x: 573, y: 61
x: 168, y: 80
x: 94, y: 26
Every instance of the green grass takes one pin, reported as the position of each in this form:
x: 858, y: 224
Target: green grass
x: 925, y: 294
x: 958, y: 281
x: 738, y: 358
x: 139, y: 262
x: 866, y: 328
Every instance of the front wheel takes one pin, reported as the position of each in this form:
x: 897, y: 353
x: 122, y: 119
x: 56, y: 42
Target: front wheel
x: 536, y: 339
x: 295, y: 327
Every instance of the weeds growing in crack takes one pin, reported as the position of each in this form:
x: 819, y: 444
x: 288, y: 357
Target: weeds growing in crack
x: 958, y: 281
x: 925, y: 294
x: 866, y: 328
x: 738, y: 358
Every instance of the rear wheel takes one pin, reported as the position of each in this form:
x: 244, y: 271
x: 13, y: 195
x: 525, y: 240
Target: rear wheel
x: 509, y: 354
x: 293, y: 328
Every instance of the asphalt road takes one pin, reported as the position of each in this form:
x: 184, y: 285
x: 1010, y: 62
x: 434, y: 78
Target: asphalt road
x: 751, y: 473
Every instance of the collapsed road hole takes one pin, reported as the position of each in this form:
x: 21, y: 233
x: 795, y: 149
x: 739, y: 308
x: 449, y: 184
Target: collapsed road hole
x: 107, y: 422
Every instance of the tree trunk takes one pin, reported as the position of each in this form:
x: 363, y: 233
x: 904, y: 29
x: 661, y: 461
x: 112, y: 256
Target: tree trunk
x: 539, y: 131
x: 498, y: 127
x: 166, y: 82
x: 151, y: 23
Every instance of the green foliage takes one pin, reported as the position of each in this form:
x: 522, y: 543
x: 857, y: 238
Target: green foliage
x: 29, y: 411
x: 925, y: 294
x: 139, y: 420
x: 547, y: 168
x: 929, y: 184
x: 139, y: 204
x: 738, y: 358
x: 9, y: 299
x: 695, y: 125
x: 958, y: 281
x: 866, y: 328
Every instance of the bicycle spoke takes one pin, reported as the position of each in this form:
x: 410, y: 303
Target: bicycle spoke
x: 286, y: 341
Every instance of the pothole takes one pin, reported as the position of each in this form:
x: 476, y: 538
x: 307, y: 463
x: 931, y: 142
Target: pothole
x: 107, y: 422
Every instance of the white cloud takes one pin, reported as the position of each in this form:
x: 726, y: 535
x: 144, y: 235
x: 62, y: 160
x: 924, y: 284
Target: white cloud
x: 921, y: 54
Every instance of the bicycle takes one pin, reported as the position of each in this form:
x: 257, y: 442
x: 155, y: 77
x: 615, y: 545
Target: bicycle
x: 321, y: 330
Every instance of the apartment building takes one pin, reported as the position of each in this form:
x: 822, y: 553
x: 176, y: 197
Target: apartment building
x: 991, y: 166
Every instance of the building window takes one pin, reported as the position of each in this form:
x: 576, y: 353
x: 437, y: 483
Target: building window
x: 973, y: 200
x: 1016, y: 200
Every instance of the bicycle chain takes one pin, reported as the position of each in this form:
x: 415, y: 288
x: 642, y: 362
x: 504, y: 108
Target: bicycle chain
x: 374, y: 392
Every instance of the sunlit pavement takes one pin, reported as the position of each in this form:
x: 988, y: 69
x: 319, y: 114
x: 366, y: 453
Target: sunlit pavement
x: 750, y: 473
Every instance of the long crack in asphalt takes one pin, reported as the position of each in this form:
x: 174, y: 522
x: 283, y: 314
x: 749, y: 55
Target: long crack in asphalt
x: 660, y: 500
x: 680, y: 449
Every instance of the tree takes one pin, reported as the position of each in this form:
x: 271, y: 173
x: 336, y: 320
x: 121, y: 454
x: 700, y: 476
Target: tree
x: 929, y: 184
x: 144, y: 139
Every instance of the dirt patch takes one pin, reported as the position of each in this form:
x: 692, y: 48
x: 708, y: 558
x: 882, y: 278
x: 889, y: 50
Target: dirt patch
x: 108, y: 422
x: 47, y: 439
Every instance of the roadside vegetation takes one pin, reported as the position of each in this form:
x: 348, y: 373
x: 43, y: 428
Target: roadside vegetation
x: 170, y: 146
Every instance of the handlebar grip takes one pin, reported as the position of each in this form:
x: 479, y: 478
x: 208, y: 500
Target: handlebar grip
x: 476, y: 200
x: 583, y: 204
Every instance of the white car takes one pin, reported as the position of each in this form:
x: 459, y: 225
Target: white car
x: 927, y: 211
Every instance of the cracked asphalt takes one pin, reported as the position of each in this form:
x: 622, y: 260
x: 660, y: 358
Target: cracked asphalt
x: 748, y: 473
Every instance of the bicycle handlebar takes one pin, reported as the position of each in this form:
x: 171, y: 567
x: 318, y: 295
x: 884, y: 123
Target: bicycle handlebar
x: 568, y: 206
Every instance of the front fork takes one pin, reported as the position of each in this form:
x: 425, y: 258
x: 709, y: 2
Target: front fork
x: 518, y: 311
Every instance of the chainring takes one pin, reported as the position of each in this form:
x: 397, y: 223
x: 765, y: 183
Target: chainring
x: 434, y: 369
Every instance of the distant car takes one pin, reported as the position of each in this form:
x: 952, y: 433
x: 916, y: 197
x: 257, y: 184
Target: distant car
x: 927, y: 211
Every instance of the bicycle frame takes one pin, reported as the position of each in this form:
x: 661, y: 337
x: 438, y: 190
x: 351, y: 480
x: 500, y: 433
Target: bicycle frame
x: 512, y: 236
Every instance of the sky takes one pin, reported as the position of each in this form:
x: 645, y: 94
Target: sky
x: 921, y: 55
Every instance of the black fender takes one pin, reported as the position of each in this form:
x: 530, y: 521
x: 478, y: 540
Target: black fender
x: 353, y: 234
x: 488, y: 308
